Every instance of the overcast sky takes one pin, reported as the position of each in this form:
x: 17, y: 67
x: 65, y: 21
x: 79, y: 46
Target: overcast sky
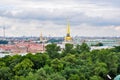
x: 86, y: 17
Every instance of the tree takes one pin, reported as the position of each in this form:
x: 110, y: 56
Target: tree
x: 56, y: 65
x: 69, y: 71
x: 14, y: 60
x: 2, y: 64
x: 5, y: 73
x: 69, y: 60
x: 112, y: 63
x: 82, y: 65
x: 56, y: 76
x: 52, y: 50
x: 100, y: 69
x: 74, y: 77
x: 116, y: 49
x: 95, y: 78
x: 48, y: 69
x: 78, y: 49
x: 23, y: 68
x: 30, y: 76
x: 41, y: 74
x: 69, y: 48
x: 84, y: 47
x: 39, y: 59
x: 98, y: 44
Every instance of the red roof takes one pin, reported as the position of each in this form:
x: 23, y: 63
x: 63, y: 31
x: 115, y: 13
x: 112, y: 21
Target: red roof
x: 23, y: 47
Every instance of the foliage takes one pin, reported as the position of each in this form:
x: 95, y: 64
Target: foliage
x: 5, y: 73
x: 73, y: 63
x: 98, y: 44
x: 69, y: 49
x: 116, y: 49
x: 56, y: 76
x: 23, y: 68
x: 52, y: 50
x: 84, y: 47
x: 56, y: 65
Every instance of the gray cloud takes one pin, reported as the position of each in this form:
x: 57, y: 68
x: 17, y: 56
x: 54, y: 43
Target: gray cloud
x: 53, y: 14
x: 58, y: 16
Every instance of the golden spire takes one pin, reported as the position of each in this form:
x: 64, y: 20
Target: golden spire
x: 68, y: 37
x: 68, y: 28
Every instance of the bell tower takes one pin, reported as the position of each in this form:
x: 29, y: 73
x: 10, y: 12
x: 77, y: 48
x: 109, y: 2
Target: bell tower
x: 41, y: 38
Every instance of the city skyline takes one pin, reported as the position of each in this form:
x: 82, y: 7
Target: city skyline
x: 86, y: 17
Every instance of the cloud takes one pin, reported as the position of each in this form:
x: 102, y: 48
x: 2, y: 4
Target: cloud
x: 50, y: 17
x: 92, y: 31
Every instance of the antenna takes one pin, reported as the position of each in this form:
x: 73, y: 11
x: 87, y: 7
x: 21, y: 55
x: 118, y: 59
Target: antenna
x: 3, y: 32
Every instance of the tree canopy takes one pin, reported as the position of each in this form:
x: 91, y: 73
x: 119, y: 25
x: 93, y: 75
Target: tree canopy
x: 78, y: 63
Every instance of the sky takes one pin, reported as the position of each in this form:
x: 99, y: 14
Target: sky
x: 91, y: 18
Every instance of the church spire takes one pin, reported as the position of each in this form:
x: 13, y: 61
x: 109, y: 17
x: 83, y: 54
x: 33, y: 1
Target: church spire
x: 68, y: 37
x: 68, y: 28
